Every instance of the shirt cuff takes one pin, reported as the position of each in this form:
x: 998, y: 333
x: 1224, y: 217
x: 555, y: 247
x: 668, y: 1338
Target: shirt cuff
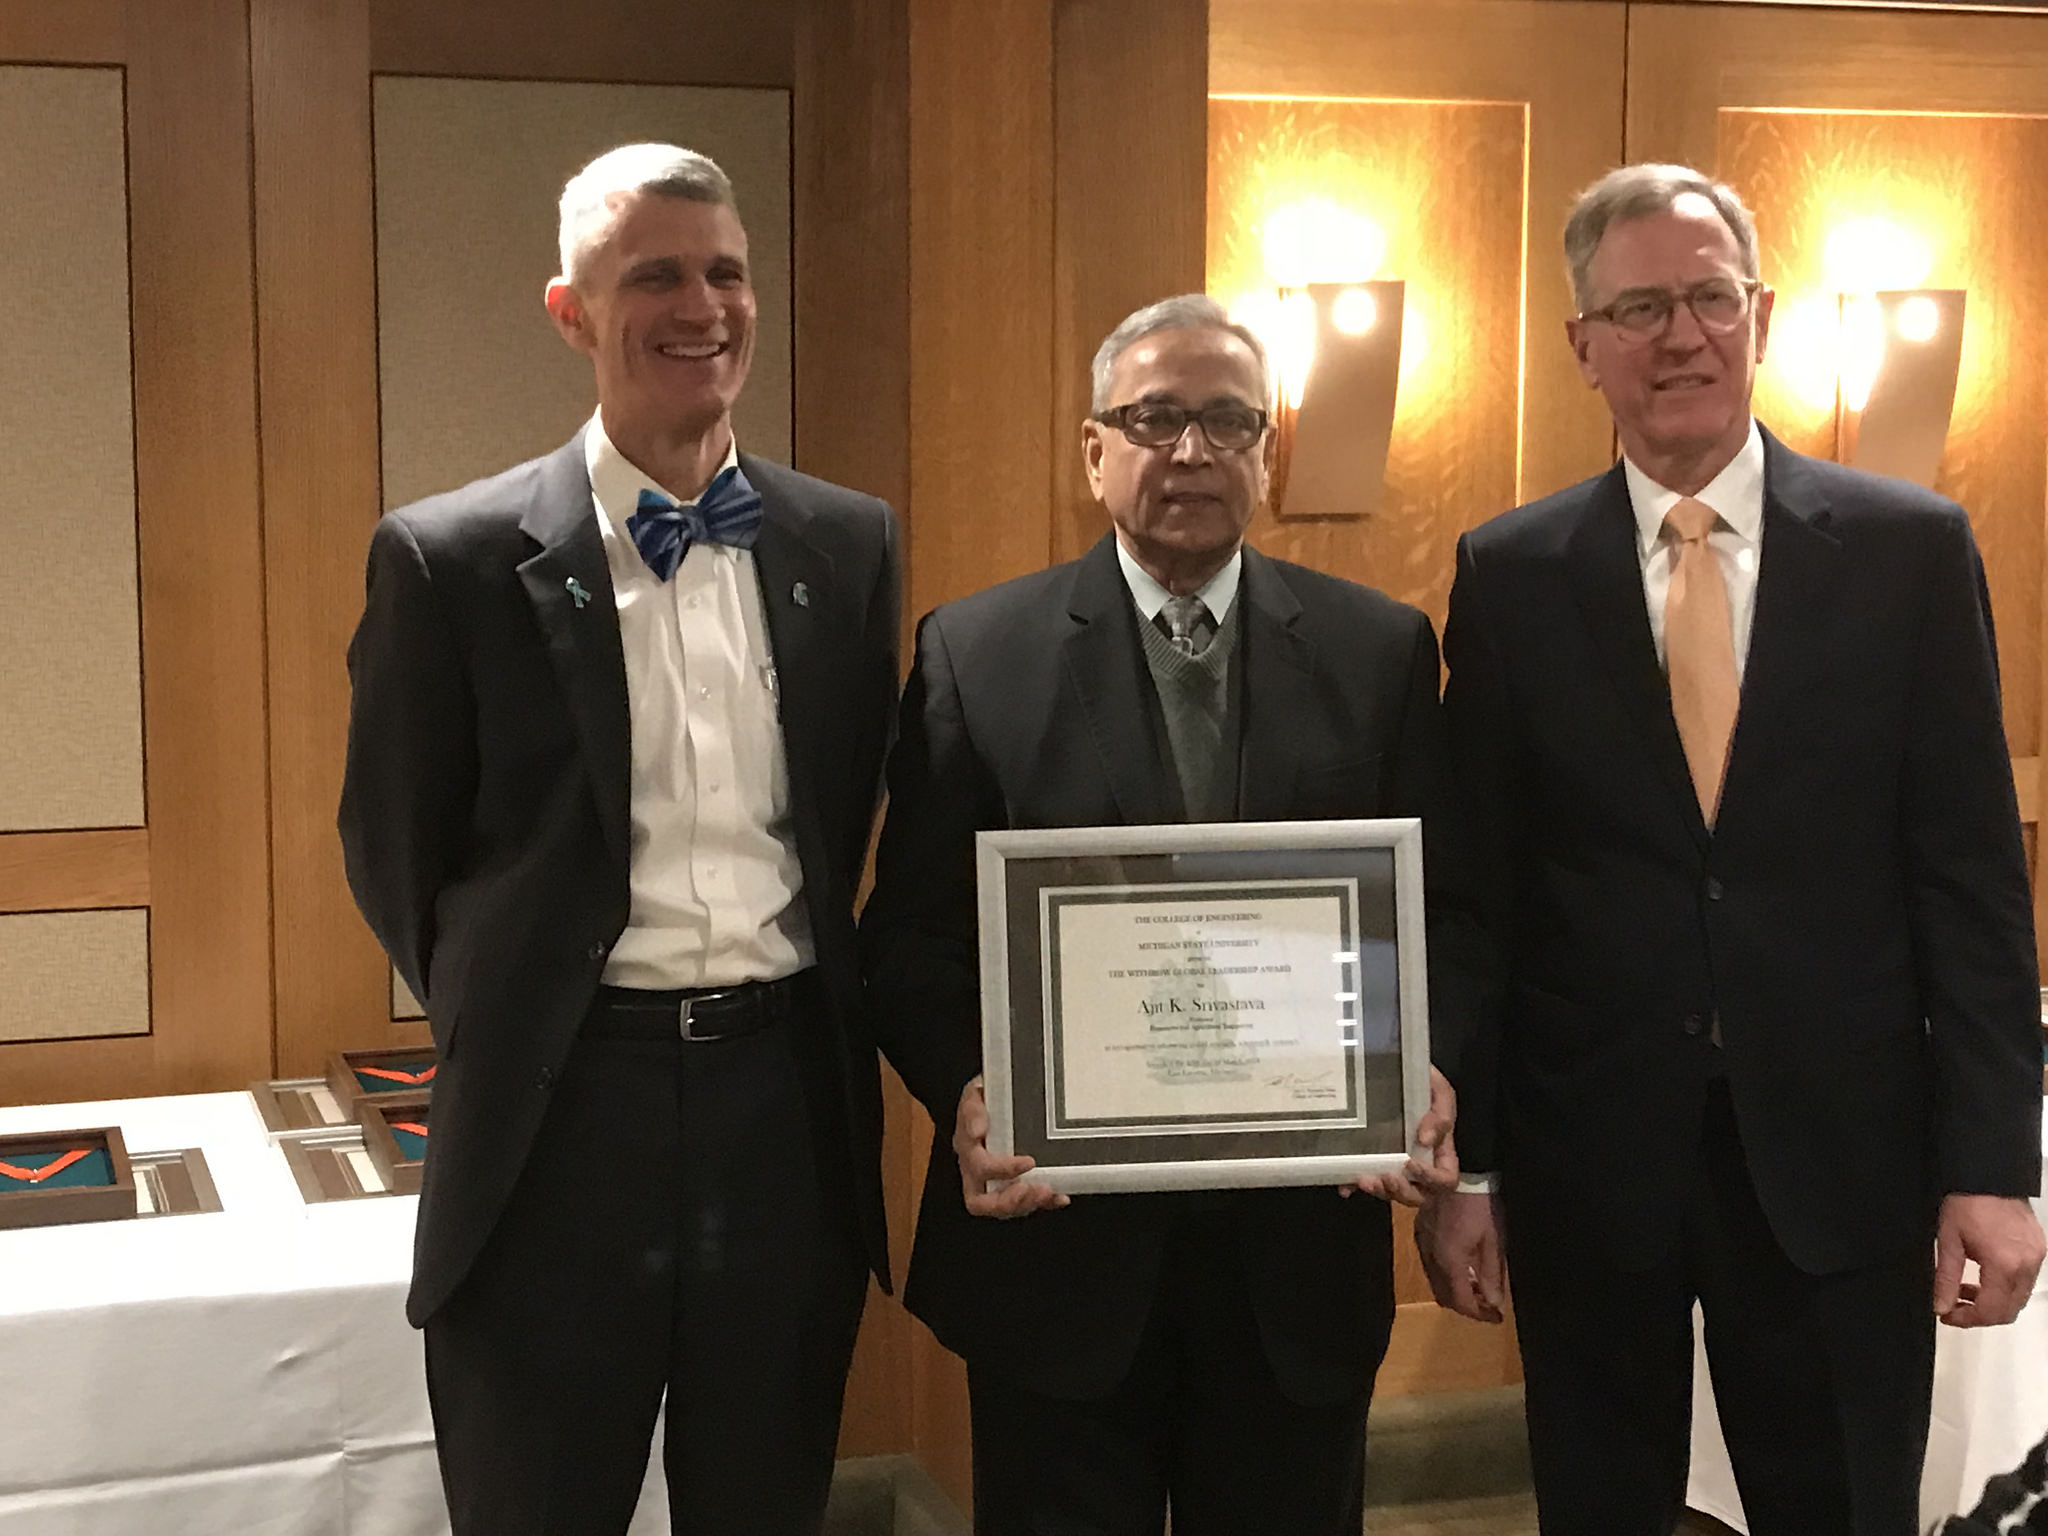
x: 1478, y: 1183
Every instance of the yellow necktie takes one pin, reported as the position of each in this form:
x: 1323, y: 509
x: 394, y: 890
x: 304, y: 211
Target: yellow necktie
x: 1699, y: 652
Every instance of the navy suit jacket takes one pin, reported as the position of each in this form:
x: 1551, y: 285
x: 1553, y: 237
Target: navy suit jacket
x: 485, y: 816
x: 1857, y: 920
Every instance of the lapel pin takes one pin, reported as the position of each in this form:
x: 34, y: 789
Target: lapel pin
x: 578, y: 594
x: 800, y: 595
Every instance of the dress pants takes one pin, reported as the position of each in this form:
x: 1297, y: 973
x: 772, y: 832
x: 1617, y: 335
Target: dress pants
x: 1198, y: 1423
x: 1823, y: 1381
x: 668, y: 1233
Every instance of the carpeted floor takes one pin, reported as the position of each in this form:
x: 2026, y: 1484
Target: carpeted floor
x: 1446, y: 1464
x: 1457, y: 1464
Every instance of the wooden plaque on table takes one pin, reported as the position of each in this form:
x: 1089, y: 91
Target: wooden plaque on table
x: 382, y: 1122
x: 397, y: 1072
x: 27, y: 1203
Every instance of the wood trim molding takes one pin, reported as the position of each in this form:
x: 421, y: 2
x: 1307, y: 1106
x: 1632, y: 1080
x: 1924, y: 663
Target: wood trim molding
x: 654, y: 42
x: 316, y: 293
x: 73, y: 32
x: 74, y: 871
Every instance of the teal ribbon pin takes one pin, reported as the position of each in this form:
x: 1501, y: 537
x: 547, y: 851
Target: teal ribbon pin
x: 577, y: 593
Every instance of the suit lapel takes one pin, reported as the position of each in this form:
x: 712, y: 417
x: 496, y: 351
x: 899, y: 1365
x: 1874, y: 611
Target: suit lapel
x: 1798, y: 567
x: 799, y: 595
x: 1105, y: 665
x: 1279, y: 664
x: 570, y: 587
x: 1607, y: 581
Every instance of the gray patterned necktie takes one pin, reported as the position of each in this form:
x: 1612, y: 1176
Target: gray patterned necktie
x: 1189, y: 624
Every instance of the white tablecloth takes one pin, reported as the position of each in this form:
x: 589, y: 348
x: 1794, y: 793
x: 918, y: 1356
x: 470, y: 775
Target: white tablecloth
x: 246, y: 1372
x: 1990, y: 1409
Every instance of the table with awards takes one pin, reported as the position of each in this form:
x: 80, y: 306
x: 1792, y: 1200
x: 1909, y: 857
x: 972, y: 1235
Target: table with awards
x: 242, y: 1366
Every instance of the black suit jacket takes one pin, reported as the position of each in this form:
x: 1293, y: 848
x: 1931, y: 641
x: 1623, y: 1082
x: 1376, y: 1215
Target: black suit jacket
x: 1857, y: 920
x: 485, y: 816
x: 1028, y: 707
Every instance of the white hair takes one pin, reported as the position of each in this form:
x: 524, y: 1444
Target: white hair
x: 587, y: 215
x: 1182, y: 312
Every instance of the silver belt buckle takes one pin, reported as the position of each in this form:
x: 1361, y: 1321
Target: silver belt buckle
x: 688, y: 1006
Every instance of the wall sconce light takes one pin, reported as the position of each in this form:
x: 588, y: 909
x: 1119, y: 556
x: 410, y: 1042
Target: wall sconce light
x: 1339, y: 368
x: 1901, y: 353
x: 1333, y: 333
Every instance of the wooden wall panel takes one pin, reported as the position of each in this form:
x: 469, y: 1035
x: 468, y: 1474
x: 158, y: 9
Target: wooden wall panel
x: 1130, y: 130
x: 981, y: 236
x: 666, y: 42
x: 850, y: 169
x: 1443, y: 184
x: 1560, y: 59
x: 202, y: 547
x: 1934, y: 123
x: 74, y: 871
x: 317, y: 366
x: 200, y: 562
x: 981, y: 399
x: 77, y: 32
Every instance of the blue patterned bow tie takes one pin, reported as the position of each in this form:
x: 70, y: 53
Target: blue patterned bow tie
x: 729, y: 512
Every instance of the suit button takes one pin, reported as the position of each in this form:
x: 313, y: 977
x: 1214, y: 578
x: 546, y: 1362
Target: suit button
x: 544, y: 1079
x: 1693, y: 1025
x: 599, y: 951
x: 1713, y: 889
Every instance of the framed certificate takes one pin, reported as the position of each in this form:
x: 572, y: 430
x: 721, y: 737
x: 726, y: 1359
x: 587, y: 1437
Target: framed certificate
x: 1208, y: 1006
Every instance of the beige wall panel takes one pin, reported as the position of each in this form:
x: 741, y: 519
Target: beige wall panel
x: 72, y: 975
x: 70, y: 657
x: 473, y: 376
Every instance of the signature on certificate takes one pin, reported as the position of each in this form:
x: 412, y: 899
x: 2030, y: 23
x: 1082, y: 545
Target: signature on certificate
x: 1298, y: 1080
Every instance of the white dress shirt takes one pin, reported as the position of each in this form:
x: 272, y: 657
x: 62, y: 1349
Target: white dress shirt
x: 714, y: 874
x: 1217, y: 593
x: 1737, y: 496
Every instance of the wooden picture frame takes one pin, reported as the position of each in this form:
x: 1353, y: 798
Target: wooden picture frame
x: 381, y: 1119
x: 397, y: 1065
x: 25, y: 1204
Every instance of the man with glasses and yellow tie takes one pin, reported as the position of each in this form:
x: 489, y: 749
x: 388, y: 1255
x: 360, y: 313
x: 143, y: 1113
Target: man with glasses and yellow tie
x: 1756, y: 1023
x: 1212, y: 1349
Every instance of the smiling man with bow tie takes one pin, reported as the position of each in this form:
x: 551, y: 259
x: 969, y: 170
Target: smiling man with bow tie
x: 618, y: 723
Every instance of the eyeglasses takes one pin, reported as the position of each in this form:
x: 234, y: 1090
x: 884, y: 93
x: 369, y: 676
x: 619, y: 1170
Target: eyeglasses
x: 1158, y: 423
x: 1720, y: 304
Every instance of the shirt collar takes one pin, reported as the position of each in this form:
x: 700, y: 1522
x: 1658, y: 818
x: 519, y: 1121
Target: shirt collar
x: 616, y: 481
x: 1736, y: 495
x: 1217, y: 593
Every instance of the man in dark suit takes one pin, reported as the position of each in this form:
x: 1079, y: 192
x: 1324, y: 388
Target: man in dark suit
x: 1760, y: 1021
x: 619, y: 718
x: 1214, y: 1349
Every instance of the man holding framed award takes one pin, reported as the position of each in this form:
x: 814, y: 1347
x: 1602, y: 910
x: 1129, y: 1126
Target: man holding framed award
x: 1211, y: 1348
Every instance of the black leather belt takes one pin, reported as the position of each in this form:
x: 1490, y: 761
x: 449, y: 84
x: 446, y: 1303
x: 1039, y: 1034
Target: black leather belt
x: 691, y: 1013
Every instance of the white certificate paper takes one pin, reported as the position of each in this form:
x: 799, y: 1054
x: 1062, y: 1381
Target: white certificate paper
x: 1189, y: 1008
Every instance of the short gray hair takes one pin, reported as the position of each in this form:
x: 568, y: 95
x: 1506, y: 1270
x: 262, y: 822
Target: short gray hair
x: 1183, y: 312
x: 1637, y: 192
x: 664, y: 169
